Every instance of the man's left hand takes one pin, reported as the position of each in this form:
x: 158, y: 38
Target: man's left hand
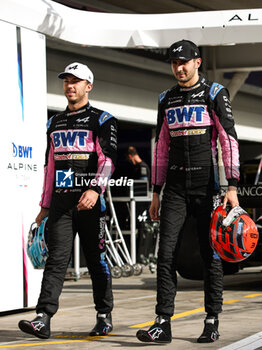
x: 88, y: 200
x: 231, y: 197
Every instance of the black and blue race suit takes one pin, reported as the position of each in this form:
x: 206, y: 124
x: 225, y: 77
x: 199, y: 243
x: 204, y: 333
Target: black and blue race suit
x: 81, y: 155
x: 190, y: 120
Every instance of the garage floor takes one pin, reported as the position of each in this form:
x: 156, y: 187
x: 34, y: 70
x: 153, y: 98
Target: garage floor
x: 134, y: 309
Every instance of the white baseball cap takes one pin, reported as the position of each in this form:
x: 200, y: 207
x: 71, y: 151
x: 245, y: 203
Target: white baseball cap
x: 79, y: 70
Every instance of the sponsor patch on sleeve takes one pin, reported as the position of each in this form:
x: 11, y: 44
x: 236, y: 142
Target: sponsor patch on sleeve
x: 214, y: 90
x: 104, y: 117
x: 162, y: 95
x: 49, y: 122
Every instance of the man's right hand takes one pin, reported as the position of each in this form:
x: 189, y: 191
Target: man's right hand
x: 154, y: 207
x: 42, y: 214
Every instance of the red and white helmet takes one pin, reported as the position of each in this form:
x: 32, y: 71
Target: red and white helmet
x: 233, y: 235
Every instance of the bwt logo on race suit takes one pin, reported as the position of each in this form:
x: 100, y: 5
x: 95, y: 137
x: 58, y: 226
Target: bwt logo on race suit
x: 69, y: 138
x: 186, y: 114
x: 22, y: 151
x: 64, y: 178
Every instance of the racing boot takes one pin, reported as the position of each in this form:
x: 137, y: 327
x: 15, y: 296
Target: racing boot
x: 39, y: 326
x: 210, y: 332
x: 159, y: 332
x: 103, y: 325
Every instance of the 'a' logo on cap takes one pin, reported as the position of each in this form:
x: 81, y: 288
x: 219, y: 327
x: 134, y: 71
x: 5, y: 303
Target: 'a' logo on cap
x: 73, y: 67
x: 180, y: 48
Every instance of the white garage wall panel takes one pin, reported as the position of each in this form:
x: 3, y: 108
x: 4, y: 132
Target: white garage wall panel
x: 23, y: 144
x: 11, y: 259
x: 34, y: 134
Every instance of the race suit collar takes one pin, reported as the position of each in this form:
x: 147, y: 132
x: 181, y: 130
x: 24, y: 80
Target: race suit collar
x: 77, y: 111
x: 195, y: 86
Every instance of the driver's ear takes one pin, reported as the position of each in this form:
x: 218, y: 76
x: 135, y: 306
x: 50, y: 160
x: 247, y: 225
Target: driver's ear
x: 89, y: 87
x: 198, y: 61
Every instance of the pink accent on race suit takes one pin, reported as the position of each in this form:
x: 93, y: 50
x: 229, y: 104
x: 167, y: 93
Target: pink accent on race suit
x: 88, y: 146
x: 49, y: 175
x: 161, y: 156
x: 105, y: 166
x: 206, y: 120
x: 102, y: 243
x: 230, y: 152
x: 214, y: 146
